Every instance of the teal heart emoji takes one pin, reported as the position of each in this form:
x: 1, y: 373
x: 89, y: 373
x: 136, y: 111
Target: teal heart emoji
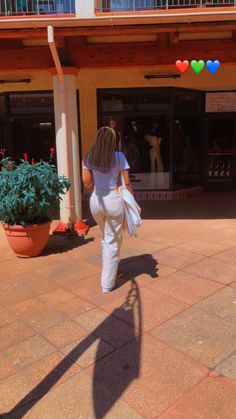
x: 197, y: 66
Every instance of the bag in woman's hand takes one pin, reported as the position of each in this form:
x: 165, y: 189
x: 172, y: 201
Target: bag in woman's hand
x: 132, y: 211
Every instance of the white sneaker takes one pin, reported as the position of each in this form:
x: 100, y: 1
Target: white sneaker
x: 107, y: 290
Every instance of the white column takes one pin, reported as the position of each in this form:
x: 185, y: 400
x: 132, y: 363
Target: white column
x: 74, y: 138
x: 84, y: 8
x: 66, y: 125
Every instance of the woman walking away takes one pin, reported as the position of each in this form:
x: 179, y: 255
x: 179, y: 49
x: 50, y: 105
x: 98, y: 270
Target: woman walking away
x: 101, y: 170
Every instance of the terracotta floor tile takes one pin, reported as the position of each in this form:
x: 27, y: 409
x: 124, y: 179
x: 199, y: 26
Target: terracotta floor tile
x: 214, y: 269
x: 221, y: 235
x: 228, y: 255
x: 12, y: 390
x: 37, y: 314
x: 55, y: 369
x: 93, y: 319
x: 64, y: 333
x: 185, y: 287
x: 203, y: 247
x: 168, y: 238
x: 221, y: 304
x: 66, y: 273
x: 6, y: 317
x: 148, y: 375
x: 86, y: 270
x: 139, y: 265
x: 29, y: 351
x: 79, y: 398
x: 164, y: 271
x: 140, y: 246
x: 228, y: 367
x: 49, y: 318
x: 6, y: 367
x: 13, y: 267
x: 117, y: 333
x: 27, y: 308
x: 41, y: 285
x: 87, y: 350
x: 146, y: 308
x: 177, y: 258
x: 200, y: 335
x: 94, y: 257
x: 89, y: 289
x: 14, y: 333
x: 16, y: 289
x: 212, y: 398
x: 84, y: 286
x: 74, y: 307
x: 56, y: 297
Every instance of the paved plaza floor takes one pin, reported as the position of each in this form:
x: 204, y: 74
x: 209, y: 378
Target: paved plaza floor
x: 161, y: 345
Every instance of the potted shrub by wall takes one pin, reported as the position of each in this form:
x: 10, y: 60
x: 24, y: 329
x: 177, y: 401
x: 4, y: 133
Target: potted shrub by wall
x: 28, y: 195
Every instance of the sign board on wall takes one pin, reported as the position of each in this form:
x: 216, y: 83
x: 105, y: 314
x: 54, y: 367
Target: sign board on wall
x: 220, y: 102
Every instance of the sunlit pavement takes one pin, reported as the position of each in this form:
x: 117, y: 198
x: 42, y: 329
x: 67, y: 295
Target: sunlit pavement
x: 161, y: 345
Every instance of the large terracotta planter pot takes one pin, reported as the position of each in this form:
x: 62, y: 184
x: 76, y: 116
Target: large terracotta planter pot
x: 27, y: 241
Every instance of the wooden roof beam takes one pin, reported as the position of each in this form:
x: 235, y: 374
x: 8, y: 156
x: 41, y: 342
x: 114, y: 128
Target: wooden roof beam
x: 122, y: 30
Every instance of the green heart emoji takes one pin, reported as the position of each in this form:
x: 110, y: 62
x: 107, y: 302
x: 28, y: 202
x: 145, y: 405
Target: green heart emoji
x: 197, y: 66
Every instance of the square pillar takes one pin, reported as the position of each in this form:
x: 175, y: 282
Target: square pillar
x: 84, y: 8
x: 67, y: 143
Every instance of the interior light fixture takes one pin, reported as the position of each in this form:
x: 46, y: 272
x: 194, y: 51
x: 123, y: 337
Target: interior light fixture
x: 162, y: 76
x: 15, y: 81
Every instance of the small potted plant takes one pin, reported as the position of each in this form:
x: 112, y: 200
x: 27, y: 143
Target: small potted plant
x: 28, y: 195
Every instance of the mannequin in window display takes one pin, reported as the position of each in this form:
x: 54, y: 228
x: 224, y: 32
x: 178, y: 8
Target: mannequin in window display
x: 133, y: 156
x: 155, y: 130
x: 155, y: 152
x: 132, y: 146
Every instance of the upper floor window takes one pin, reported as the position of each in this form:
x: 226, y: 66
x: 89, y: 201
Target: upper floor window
x: 138, y: 5
x: 36, y: 7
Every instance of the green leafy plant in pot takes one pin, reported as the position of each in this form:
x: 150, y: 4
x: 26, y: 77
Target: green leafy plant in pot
x: 28, y: 195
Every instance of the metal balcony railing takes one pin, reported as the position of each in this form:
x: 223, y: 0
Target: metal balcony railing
x: 36, y: 7
x: 142, y: 5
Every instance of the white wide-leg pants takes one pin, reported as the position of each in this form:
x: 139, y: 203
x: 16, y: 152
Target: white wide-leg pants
x: 108, y: 211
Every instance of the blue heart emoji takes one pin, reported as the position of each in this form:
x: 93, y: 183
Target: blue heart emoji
x: 212, y: 66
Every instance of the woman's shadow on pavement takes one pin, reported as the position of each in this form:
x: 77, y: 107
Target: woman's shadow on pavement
x: 113, y: 373
x: 118, y: 370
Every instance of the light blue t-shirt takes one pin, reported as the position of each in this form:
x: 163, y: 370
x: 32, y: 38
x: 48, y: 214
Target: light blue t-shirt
x: 108, y: 180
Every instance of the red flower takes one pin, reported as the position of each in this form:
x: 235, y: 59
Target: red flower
x: 52, y: 150
x: 25, y: 156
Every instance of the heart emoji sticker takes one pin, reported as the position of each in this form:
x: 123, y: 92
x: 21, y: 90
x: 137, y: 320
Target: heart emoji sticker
x: 182, y: 66
x: 197, y: 66
x: 212, y: 66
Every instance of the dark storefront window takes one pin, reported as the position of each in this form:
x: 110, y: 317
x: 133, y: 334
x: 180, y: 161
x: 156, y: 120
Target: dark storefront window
x: 28, y: 125
x: 160, y: 134
x: 220, y: 140
x: 220, y: 149
x: 141, y: 119
x: 187, y: 139
x: 31, y: 103
x: 2, y: 107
